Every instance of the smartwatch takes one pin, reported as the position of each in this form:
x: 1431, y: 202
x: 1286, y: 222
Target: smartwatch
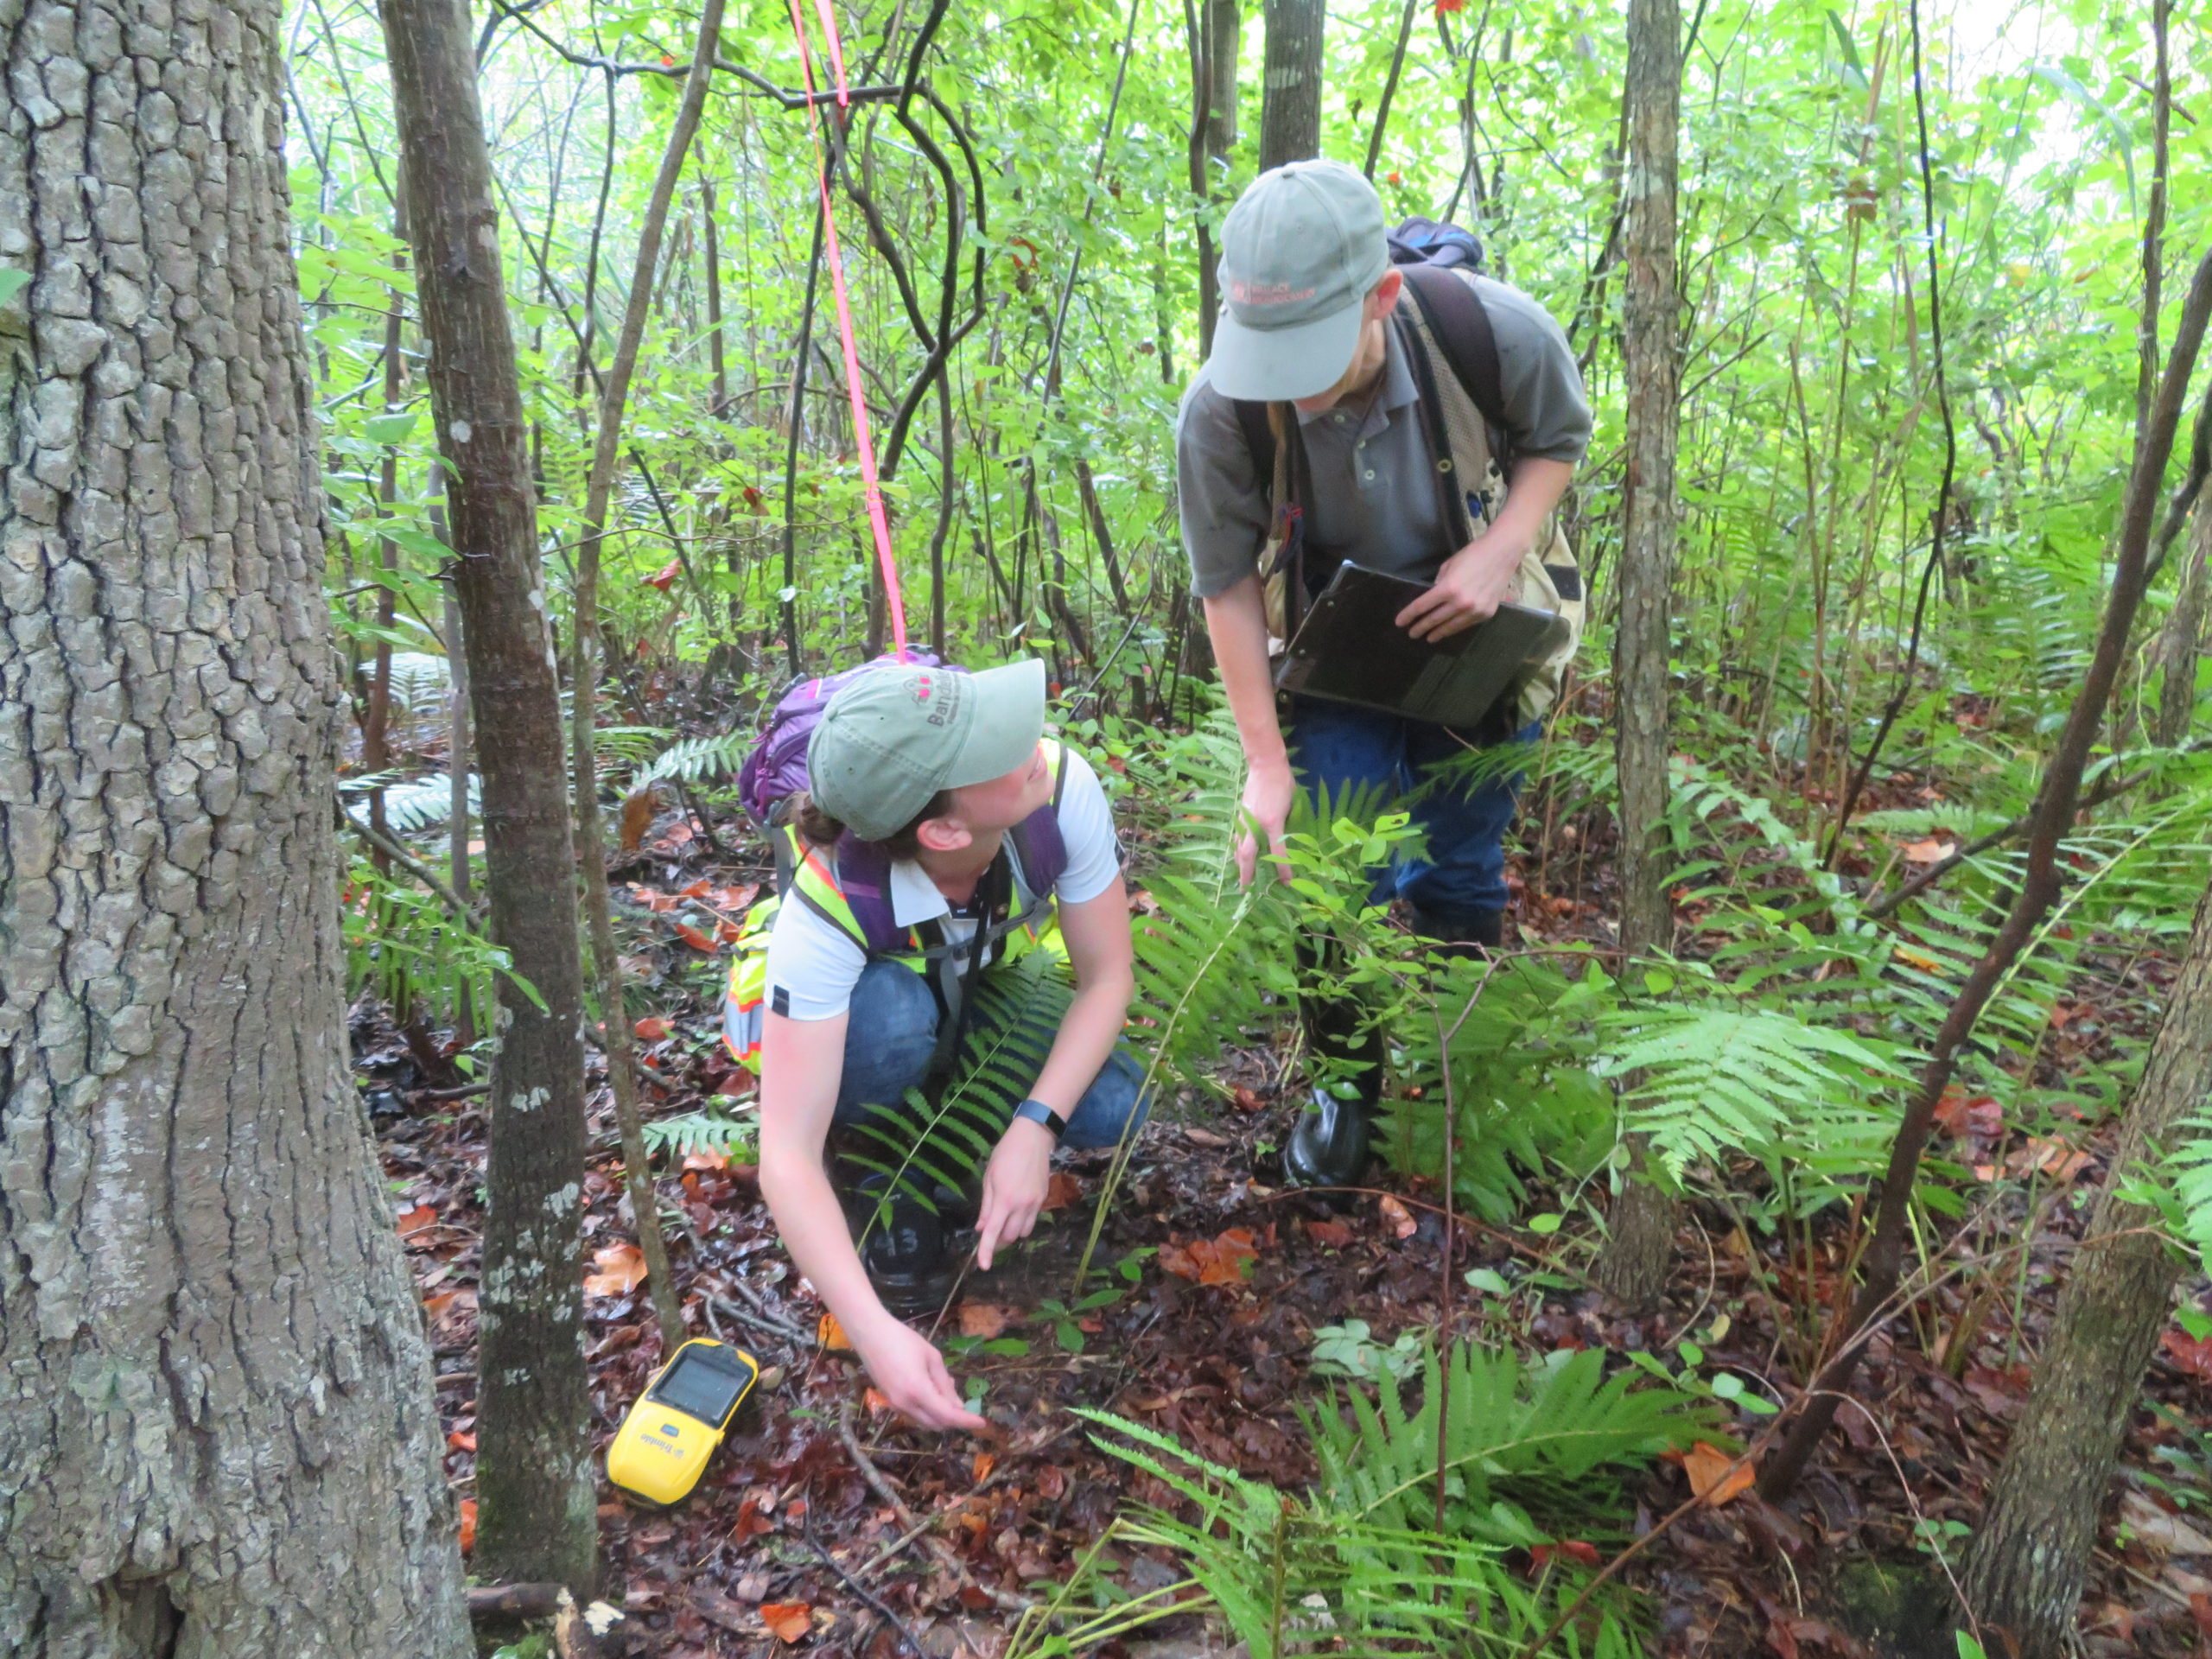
x: 1038, y: 1112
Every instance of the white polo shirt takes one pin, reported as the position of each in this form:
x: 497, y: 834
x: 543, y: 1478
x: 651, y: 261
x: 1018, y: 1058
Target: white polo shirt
x: 813, y: 963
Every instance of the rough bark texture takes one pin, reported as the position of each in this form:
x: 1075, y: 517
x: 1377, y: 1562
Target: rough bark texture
x: 2179, y: 643
x: 535, y: 1517
x: 1290, y: 104
x: 217, y: 1435
x: 2030, y: 1554
x: 1634, y: 1265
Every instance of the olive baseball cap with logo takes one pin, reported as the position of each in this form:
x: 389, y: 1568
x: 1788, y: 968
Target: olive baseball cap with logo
x: 892, y: 738
x: 1300, y: 251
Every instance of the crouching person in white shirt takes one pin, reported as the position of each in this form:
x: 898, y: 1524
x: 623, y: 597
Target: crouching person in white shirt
x: 942, y: 835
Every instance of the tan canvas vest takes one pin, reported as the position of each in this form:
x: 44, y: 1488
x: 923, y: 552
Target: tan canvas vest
x: 1547, y: 567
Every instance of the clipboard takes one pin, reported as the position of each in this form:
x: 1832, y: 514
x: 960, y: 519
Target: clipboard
x: 1350, y: 649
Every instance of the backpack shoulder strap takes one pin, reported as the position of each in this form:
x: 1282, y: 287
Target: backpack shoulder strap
x: 1451, y: 488
x: 1259, y: 438
x: 1460, y: 324
x: 864, y: 876
x: 1039, y: 846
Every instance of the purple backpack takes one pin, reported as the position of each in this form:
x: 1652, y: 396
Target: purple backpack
x: 777, y: 765
x: 776, y: 768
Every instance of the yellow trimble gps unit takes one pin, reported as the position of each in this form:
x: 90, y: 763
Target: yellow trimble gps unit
x: 662, y: 1448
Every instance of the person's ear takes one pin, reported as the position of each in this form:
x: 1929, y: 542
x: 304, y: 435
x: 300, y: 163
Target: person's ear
x: 1384, y: 299
x: 946, y: 835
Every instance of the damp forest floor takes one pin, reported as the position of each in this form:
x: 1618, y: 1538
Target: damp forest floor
x: 791, y: 1545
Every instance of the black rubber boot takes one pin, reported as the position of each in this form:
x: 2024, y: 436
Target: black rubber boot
x: 1472, y: 937
x: 1328, y: 1144
x: 908, y: 1253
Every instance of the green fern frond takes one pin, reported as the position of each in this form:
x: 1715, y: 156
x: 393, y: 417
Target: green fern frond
x: 1520, y: 1438
x: 1711, y: 1078
x: 1289, y: 1575
x: 697, y: 759
x: 702, y: 1131
x: 2189, y: 1163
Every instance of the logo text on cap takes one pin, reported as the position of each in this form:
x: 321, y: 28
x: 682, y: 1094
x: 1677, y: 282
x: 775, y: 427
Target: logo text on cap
x: 1268, y: 293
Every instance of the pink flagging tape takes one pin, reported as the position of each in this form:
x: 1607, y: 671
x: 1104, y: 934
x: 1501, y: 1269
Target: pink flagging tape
x: 827, y: 12
x: 831, y: 253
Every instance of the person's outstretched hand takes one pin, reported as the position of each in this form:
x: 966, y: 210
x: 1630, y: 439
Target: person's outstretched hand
x: 911, y: 1375
x: 1015, y: 1182
x: 1268, y: 795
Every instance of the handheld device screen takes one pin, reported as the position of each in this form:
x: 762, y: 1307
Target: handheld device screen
x: 697, y: 1386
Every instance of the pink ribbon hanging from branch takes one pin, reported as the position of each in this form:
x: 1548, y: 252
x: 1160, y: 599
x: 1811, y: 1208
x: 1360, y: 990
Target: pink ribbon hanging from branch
x: 831, y: 253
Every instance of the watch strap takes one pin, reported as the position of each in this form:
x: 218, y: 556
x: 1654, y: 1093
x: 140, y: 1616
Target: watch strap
x: 1038, y: 1112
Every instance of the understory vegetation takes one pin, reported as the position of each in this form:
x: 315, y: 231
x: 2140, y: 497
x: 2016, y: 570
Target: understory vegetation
x: 1922, y: 326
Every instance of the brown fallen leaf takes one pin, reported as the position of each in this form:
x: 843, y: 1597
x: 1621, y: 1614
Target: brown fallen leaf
x: 1331, y: 1233
x: 1573, y: 1549
x: 463, y: 1297
x: 621, y: 1270
x: 651, y: 1029
x: 419, y: 1219
x: 638, y: 816
x: 1400, y: 1220
x: 2054, y: 1158
x: 692, y: 937
x: 1062, y: 1190
x: 1959, y: 1114
x: 787, y: 1620
x: 1223, y: 1260
x: 1714, y: 1475
x: 1247, y: 1100
x: 985, y: 1319
x: 753, y: 1519
x: 2193, y: 1357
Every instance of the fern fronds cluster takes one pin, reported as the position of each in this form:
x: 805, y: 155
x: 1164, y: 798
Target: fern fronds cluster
x: 1523, y: 1443
x: 920, y: 1145
x: 1358, y: 1567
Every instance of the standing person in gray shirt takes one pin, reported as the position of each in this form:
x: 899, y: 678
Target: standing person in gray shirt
x: 1322, y: 342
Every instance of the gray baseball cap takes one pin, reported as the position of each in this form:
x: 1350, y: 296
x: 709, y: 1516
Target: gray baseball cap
x: 1302, y: 249
x: 895, y: 737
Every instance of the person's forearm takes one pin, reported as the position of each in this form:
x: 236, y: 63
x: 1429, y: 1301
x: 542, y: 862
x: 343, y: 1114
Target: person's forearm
x: 1237, y: 623
x: 1538, y: 486
x: 812, y: 1224
x: 1088, y: 1033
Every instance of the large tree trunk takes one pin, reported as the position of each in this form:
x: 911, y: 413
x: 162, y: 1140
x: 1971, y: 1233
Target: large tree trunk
x: 2030, y: 1554
x: 1290, y: 104
x: 1637, y: 1255
x: 217, y: 1435
x: 536, y: 1516
x: 2179, y: 643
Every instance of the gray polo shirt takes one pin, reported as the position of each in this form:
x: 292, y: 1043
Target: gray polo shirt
x: 1374, y: 483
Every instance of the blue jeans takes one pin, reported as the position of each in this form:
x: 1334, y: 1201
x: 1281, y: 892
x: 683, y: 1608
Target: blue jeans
x: 892, y: 1035
x: 1461, y: 872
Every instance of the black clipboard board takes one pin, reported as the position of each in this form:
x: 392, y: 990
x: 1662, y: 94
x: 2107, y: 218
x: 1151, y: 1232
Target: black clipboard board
x: 1350, y: 649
